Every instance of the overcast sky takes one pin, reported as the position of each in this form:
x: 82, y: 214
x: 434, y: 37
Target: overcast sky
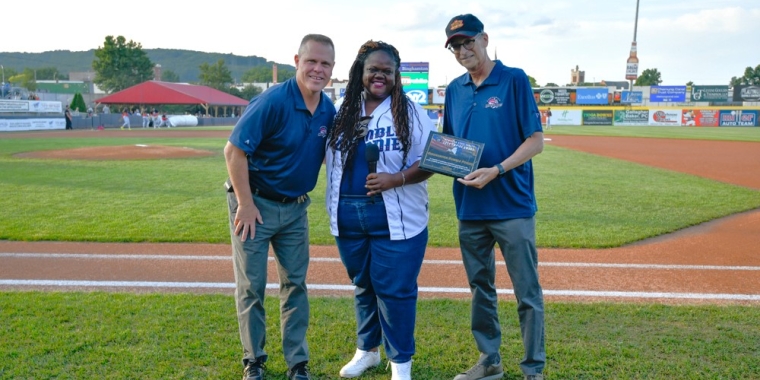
x: 704, y: 41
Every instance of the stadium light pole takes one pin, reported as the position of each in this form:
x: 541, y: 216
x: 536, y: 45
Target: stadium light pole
x: 632, y: 67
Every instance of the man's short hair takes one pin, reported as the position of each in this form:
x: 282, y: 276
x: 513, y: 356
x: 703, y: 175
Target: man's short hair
x: 316, y: 38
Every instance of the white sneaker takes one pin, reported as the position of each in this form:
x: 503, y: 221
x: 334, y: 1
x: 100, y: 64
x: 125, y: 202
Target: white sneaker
x: 362, y: 361
x: 401, y: 371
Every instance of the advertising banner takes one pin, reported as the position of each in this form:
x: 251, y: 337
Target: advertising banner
x: 591, y: 96
x: 633, y: 97
x: 667, y: 94
x: 33, y: 106
x: 14, y: 106
x: 597, y: 117
x: 554, y: 96
x: 738, y: 118
x: 710, y: 94
x: 665, y: 117
x: 700, y: 118
x: 631, y: 117
x: 415, y: 67
x: 747, y: 93
x: 566, y: 117
x: 416, y: 86
x: 32, y: 124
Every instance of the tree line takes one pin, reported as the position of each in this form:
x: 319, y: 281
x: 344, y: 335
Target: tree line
x: 119, y: 64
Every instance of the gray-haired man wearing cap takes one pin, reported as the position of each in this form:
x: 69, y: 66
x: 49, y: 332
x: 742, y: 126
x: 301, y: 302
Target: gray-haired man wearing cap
x: 496, y: 203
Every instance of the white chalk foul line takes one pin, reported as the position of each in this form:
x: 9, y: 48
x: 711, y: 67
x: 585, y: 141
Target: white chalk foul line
x: 350, y: 288
x: 331, y: 259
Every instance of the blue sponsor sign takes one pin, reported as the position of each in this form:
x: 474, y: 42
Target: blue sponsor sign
x: 738, y: 118
x: 417, y: 96
x: 591, y: 96
x: 414, y: 67
x: 632, y: 97
x: 667, y: 94
x: 342, y: 92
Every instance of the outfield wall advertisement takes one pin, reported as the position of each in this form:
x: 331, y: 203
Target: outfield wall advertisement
x: 738, y: 118
x: 747, y: 93
x: 554, y: 96
x: 32, y: 124
x: 597, y: 117
x: 688, y: 117
x: 27, y: 106
x: 661, y: 94
x: 567, y: 117
x: 700, y: 118
x: 664, y: 117
x: 710, y: 94
x: 631, y: 117
x: 592, y: 96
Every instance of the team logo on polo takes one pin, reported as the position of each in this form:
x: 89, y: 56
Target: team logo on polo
x: 323, y: 131
x: 493, y: 102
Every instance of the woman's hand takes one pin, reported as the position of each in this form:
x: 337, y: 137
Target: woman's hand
x: 379, y: 182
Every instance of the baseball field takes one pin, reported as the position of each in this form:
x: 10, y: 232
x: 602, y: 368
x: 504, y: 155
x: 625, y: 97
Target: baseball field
x: 114, y: 260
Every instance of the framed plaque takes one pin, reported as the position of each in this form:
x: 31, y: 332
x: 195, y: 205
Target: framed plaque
x: 452, y: 156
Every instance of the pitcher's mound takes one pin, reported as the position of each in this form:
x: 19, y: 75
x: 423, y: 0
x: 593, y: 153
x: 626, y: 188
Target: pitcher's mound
x: 124, y: 152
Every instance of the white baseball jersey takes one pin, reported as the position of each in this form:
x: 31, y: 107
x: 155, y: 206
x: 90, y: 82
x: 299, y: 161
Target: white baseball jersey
x: 406, y: 206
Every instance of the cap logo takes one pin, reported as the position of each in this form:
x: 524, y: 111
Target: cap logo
x: 456, y: 24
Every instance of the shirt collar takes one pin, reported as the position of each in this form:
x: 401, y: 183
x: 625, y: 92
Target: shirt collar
x: 493, y: 76
x: 295, y: 93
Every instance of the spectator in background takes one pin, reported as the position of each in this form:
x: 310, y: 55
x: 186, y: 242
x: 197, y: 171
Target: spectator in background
x: 106, y: 109
x: 69, y: 119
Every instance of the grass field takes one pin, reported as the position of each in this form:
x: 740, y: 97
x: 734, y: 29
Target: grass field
x: 178, y: 200
x: 135, y: 336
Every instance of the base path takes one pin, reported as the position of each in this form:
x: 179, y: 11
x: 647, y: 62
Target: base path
x: 716, y: 262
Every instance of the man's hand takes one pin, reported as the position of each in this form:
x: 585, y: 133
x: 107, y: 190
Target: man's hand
x: 246, y: 217
x: 479, y: 178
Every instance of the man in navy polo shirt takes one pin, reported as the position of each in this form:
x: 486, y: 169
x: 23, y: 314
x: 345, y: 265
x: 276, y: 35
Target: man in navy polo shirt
x: 494, y: 104
x: 274, y: 156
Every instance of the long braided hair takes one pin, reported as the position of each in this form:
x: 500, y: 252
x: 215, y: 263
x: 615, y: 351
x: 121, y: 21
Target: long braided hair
x: 345, y: 135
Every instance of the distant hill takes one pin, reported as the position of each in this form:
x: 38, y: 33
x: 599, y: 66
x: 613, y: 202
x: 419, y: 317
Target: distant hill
x: 183, y: 62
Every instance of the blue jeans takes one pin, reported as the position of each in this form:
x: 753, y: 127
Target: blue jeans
x: 517, y: 239
x: 286, y: 229
x: 385, y: 274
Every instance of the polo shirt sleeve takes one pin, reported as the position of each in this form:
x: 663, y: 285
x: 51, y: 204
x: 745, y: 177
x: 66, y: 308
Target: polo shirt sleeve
x: 528, y: 116
x: 254, y: 124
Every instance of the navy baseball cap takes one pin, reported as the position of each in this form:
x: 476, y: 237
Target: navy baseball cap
x: 463, y: 26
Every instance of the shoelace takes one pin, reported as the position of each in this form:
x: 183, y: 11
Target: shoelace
x: 252, y: 367
x: 301, y: 369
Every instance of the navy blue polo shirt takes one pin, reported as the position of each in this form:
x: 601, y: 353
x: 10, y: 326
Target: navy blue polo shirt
x: 501, y: 113
x: 284, y: 142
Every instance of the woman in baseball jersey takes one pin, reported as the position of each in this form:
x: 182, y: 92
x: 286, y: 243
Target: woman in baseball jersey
x: 378, y: 205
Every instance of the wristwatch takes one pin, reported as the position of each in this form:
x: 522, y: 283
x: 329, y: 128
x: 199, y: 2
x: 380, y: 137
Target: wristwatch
x: 501, y: 170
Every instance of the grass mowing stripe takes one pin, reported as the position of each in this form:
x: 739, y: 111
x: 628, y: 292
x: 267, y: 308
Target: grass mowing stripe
x: 115, y: 335
x: 584, y: 200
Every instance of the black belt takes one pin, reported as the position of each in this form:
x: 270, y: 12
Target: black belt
x: 280, y: 199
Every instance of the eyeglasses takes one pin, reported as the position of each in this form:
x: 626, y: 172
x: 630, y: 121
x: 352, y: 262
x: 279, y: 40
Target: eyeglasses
x: 467, y: 44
